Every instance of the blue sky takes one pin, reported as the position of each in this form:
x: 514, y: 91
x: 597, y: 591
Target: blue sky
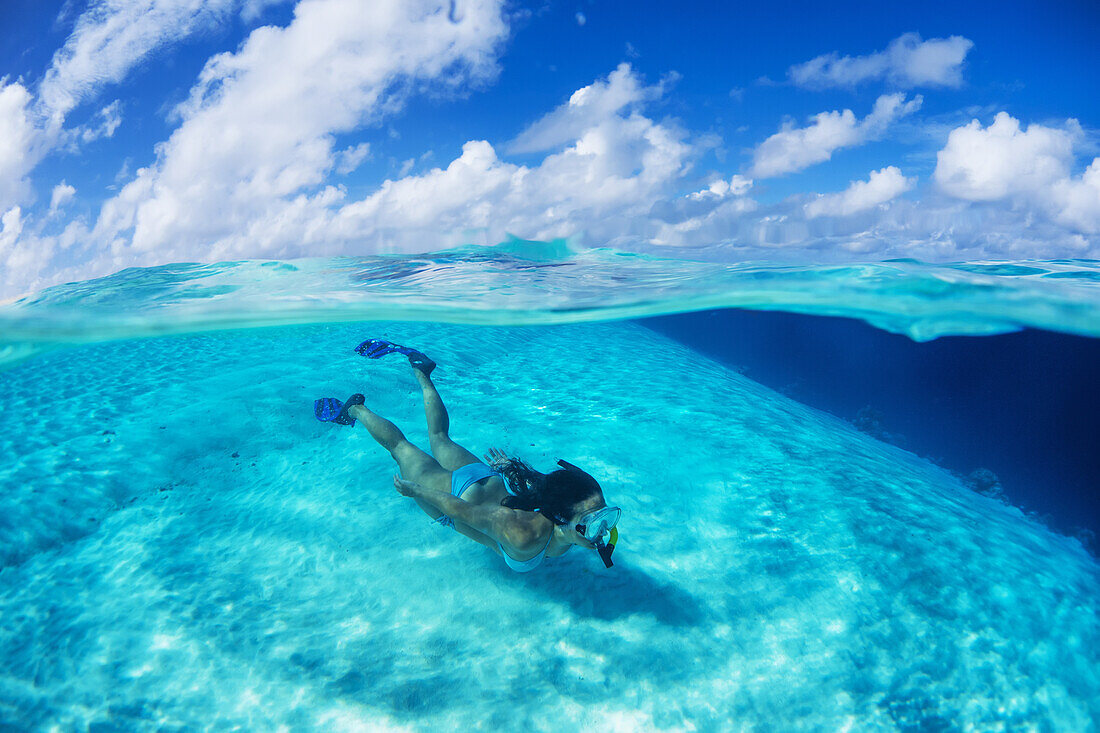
x: 142, y: 132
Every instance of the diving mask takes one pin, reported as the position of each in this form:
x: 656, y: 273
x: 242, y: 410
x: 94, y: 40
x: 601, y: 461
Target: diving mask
x: 598, y: 527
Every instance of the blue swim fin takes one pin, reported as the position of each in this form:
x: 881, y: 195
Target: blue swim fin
x: 330, y: 409
x: 377, y: 348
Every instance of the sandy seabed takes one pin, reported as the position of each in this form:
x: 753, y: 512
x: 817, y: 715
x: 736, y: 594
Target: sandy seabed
x: 183, y: 546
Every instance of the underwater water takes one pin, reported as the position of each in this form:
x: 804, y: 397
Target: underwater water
x: 1014, y: 414
x: 183, y: 546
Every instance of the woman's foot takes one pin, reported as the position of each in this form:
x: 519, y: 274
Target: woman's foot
x: 421, y: 363
x: 330, y: 409
x: 377, y: 348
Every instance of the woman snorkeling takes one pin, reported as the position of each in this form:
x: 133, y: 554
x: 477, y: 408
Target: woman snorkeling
x: 502, y: 502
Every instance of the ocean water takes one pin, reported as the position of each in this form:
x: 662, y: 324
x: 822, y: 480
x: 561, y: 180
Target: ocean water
x: 183, y: 546
x: 1015, y: 414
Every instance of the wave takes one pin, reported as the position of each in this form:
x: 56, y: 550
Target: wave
x: 542, y: 283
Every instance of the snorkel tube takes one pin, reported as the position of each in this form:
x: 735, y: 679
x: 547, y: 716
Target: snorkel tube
x: 606, y: 548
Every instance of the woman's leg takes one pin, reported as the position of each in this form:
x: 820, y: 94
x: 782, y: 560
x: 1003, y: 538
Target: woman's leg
x: 450, y: 454
x: 415, y: 464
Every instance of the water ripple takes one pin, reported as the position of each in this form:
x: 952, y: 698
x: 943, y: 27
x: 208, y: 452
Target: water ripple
x: 532, y: 283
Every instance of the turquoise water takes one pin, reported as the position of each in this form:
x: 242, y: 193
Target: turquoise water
x: 183, y: 546
x: 543, y: 283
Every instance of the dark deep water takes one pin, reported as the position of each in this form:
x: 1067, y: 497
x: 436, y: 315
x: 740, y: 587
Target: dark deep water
x: 1024, y: 405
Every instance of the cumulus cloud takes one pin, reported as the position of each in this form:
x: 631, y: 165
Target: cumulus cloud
x: 603, y: 183
x: 28, y: 260
x: 19, y: 140
x: 62, y: 194
x: 253, y: 9
x: 986, y: 164
x: 351, y: 158
x: 109, y: 39
x: 721, y: 188
x: 1028, y: 167
x: 257, y: 130
x: 17, y: 259
x: 252, y: 168
x: 907, y: 62
x: 11, y: 225
x: 795, y: 148
x: 882, y: 186
x: 112, y: 36
x: 588, y: 106
x: 104, y: 124
x: 1076, y: 201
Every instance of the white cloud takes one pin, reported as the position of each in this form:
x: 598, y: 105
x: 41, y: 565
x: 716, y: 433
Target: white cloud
x: 581, y: 19
x: 588, y: 106
x: 603, y: 184
x: 1029, y: 168
x: 1076, y: 202
x: 19, y: 144
x: 352, y: 157
x: 257, y: 131
x: 721, y: 188
x: 62, y: 194
x: 253, y: 9
x: 987, y: 164
x: 20, y: 263
x: 251, y: 170
x: 907, y: 62
x: 461, y: 196
x: 111, y: 37
x: 794, y: 148
x: 255, y: 143
x: 882, y: 186
x: 11, y: 226
x: 104, y: 124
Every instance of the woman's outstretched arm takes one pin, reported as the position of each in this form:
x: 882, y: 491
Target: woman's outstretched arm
x: 502, y: 524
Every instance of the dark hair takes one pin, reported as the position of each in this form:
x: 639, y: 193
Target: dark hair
x: 552, y: 495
